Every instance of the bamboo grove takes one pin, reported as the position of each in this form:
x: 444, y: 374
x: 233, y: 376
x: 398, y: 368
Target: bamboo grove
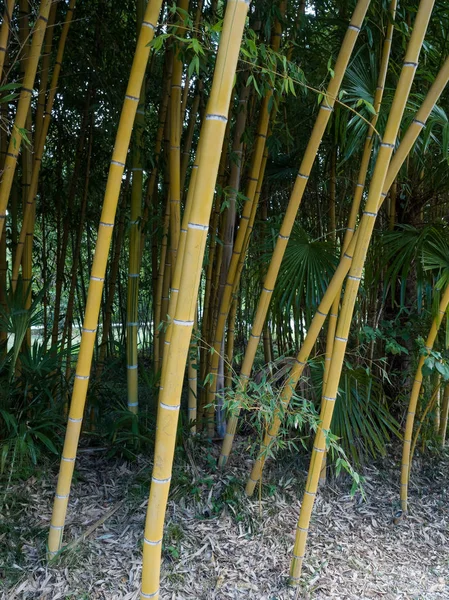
x: 224, y: 221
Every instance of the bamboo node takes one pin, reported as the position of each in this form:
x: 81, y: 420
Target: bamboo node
x: 213, y: 117
x: 82, y: 377
x: 354, y: 27
x: 75, y: 420
x: 341, y: 339
x: 156, y: 480
x: 369, y: 214
x: 153, y: 595
x: 410, y: 64
x: 420, y: 123
x: 148, y: 24
x: 169, y: 406
x: 198, y: 226
x: 131, y: 367
x: 329, y: 398
x: 302, y: 176
x: 67, y: 459
x: 150, y: 543
x: 118, y: 163
x: 183, y: 323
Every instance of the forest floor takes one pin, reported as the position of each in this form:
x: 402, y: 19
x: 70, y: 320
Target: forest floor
x: 219, y: 544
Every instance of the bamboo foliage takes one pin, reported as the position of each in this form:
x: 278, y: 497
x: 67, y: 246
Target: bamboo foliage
x: 326, y: 108
x: 98, y: 272
x: 212, y: 136
x: 354, y: 278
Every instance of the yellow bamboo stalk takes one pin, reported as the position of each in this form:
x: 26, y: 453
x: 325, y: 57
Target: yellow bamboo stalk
x: 361, y: 179
x: 159, y: 290
x: 444, y: 415
x: 432, y: 401
x: 326, y: 108
x: 132, y: 304
x: 414, y: 397
x: 213, y: 132
x: 4, y: 33
x: 45, y: 70
x: 98, y: 272
x: 175, y: 138
x: 345, y: 262
x: 353, y: 281
x: 28, y: 225
x: 22, y: 109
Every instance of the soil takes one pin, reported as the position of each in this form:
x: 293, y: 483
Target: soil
x: 219, y: 544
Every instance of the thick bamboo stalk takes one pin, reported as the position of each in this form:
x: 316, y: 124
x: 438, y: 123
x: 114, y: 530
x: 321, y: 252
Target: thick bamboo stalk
x: 326, y: 108
x: 414, y: 397
x: 132, y: 305
x: 4, y: 33
x: 28, y: 224
x: 22, y: 109
x: 337, y: 280
x: 353, y: 281
x: 213, y: 132
x: 98, y: 273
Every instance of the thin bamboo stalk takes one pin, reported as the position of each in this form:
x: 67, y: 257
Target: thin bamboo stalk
x: 432, y: 402
x: 353, y: 281
x: 132, y: 307
x: 414, y: 397
x: 4, y: 33
x: 22, y: 109
x: 98, y: 272
x: 337, y: 280
x: 213, y: 132
x: 326, y: 108
x: 28, y: 224
x: 444, y: 415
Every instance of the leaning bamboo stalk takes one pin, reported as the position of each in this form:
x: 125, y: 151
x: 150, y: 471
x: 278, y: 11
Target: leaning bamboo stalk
x: 4, y: 33
x: 98, y: 273
x: 22, y: 109
x: 444, y: 415
x: 45, y: 70
x: 432, y: 402
x: 213, y: 132
x: 353, y: 281
x: 414, y: 397
x: 363, y: 170
x: 113, y: 273
x: 27, y: 224
x: 326, y: 108
x: 345, y: 262
x: 132, y: 305
x: 175, y: 138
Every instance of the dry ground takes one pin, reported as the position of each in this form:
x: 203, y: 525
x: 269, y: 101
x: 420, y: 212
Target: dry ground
x: 219, y: 544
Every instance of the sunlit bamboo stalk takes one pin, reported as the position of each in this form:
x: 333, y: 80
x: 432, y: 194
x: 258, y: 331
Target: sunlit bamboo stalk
x: 353, y: 281
x: 212, y: 132
x: 98, y: 273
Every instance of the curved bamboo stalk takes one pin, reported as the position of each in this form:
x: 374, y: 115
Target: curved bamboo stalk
x: 326, y: 108
x: 413, y: 402
x: 361, y: 179
x: 98, y: 272
x: 433, y: 400
x: 345, y: 262
x: 353, y: 281
x: 4, y: 33
x: 444, y: 415
x: 132, y: 301
x: 27, y: 224
x: 213, y: 132
x: 45, y: 70
x: 22, y: 109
